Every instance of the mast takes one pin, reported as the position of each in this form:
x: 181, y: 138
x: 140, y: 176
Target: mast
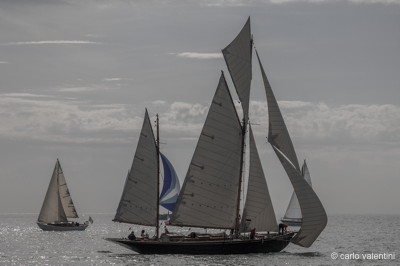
x: 58, y: 191
x: 158, y: 177
x: 237, y: 57
x: 237, y: 220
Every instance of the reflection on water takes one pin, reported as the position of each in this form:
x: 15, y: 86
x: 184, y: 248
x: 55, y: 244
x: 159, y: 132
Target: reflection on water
x: 23, y: 243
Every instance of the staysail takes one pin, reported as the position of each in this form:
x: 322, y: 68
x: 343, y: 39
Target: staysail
x: 209, y: 194
x: 278, y: 135
x: 238, y: 56
x: 138, y: 204
x: 258, y: 210
x: 293, y: 210
x: 52, y: 208
x: 313, y: 212
x: 171, y: 187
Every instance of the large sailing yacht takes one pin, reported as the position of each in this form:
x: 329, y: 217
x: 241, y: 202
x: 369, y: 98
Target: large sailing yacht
x: 211, y: 194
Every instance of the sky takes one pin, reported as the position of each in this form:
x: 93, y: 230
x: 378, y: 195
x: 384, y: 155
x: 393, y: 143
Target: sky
x: 76, y: 77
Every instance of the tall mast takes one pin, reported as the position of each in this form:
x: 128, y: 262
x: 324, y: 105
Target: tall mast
x: 158, y: 177
x: 237, y: 220
x: 58, y: 191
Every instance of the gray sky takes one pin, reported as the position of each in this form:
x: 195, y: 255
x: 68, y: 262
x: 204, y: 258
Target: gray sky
x: 75, y: 79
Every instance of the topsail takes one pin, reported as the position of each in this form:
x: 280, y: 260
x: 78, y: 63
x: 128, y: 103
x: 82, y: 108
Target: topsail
x: 238, y: 60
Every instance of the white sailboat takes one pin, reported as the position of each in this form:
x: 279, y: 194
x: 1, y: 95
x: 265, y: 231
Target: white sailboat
x: 58, y: 206
x: 293, y: 212
x: 211, y: 193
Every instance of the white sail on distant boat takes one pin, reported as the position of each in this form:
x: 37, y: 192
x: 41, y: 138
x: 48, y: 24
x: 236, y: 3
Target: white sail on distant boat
x: 211, y: 194
x: 293, y: 212
x: 58, y: 206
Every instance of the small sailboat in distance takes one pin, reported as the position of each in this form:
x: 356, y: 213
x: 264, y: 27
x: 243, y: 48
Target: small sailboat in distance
x: 293, y: 212
x: 58, y: 206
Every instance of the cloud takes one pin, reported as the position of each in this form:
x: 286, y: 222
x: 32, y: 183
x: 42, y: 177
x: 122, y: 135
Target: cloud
x: 159, y: 102
x: 59, y: 119
x: 199, y: 55
x: 3, y: 62
x: 112, y: 79
x: 353, y: 123
x: 49, y: 118
x: 76, y: 89
x: 48, y: 42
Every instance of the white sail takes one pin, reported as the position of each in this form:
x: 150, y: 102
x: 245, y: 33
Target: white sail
x: 238, y: 56
x: 312, y: 210
x: 65, y: 196
x: 306, y: 173
x: 314, y: 215
x: 293, y: 210
x: 52, y: 209
x: 278, y: 134
x: 209, y: 193
x: 121, y: 203
x: 138, y: 203
x: 258, y: 210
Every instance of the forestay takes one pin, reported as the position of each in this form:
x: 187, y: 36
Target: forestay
x: 238, y: 56
x: 210, y: 191
x: 138, y: 203
x: 258, y: 210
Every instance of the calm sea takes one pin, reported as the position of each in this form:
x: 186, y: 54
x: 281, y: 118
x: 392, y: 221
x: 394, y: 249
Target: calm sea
x: 354, y: 239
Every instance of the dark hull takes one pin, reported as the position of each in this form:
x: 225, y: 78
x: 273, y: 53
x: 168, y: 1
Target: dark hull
x: 197, y: 247
x: 53, y: 227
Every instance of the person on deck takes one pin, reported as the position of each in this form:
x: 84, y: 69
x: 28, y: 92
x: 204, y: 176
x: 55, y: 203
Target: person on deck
x: 283, y: 228
x: 132, y: 236
x: 252, y: 233
x: 144, y: 235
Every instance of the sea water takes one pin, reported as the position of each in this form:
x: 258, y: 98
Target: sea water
x: 347, y: 240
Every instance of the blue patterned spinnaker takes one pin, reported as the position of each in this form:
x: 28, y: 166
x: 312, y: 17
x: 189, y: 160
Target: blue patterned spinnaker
x: 171, y: 186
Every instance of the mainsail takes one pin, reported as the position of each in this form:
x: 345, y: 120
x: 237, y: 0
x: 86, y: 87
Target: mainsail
x: 258, y: 210
x: 52, y: 208
x: 171, y: 187
x: 209, y: 192
x: 293, y: 210
x: 238, y: 56
x: 138, y: 204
